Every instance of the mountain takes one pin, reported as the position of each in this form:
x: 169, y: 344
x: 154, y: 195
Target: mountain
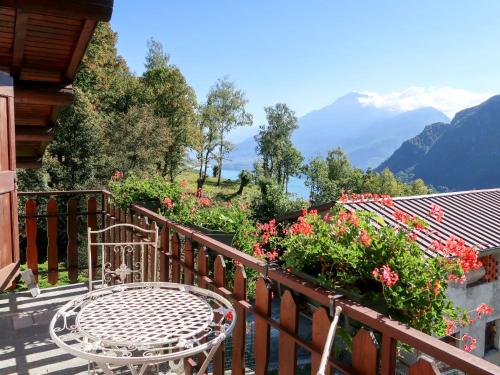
x: 367, y: 133
x: 414, y: 150
x: 383, y: 137
x: 462, y: 155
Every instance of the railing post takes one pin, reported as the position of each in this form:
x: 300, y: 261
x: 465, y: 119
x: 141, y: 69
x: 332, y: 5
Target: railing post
x: 219, y: 282
x: 238, y: 348
x: 176, y: 275
x: 164, y: 250
x: 287, y: 348
x: 320, y: 327
x: 92, y: 224
x: 31, y: 232
x: 364, y: 353
x: 388, y: 361
x: 188, y: 261
x: 261, y: 343
x: 52, y: 249
x: 72, y: 241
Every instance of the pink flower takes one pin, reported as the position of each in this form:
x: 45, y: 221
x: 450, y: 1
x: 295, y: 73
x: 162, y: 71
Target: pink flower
x: 184, y: 183
x: 483, y: 309
x: 436, y: 212
x: 469, y: 342
x: 385, y: 275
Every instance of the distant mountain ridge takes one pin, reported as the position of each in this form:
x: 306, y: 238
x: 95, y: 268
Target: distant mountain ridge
x: 464, y: 154
x: 367, y: 133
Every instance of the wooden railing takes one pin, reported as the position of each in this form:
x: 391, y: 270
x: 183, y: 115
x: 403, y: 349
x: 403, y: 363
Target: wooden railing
x: 53, y: 227
x: 190, y: 257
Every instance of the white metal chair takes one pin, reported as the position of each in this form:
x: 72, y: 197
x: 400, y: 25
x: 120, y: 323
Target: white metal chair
x: 123, y: 261
x: 329, y: 342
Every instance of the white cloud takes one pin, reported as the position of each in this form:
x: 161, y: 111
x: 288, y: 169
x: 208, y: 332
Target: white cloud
x: 446, y: 99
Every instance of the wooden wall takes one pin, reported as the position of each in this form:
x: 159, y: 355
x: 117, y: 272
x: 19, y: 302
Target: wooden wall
x: 9, y: 247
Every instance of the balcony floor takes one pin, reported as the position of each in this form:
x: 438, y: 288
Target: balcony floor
x: 25, y: 344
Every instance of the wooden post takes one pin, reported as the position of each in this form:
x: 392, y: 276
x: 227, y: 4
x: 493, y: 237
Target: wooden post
x: 31, y: 232
x: 176, y: 273
x: 72, y: 241
x: 287, y: 348
x: 239, y: 332
x: 92, y: 224
x: 320, y: 327
x: 188, y: 261
x: 52, y: 251
x: 261, y: 344
x: 219, y: 281
x: 164, y: 250
x: 364, y: 353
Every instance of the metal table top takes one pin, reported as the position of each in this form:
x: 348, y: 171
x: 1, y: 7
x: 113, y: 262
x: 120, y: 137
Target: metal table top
x: 143, y: 323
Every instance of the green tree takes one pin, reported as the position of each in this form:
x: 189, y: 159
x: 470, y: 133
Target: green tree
x: 174, y: 101
x: 138, y: 141
x: 328, y: 178
x: 280, y: 159
x: 103, y: 85
x: 208, y: 138
x: 226, y: 110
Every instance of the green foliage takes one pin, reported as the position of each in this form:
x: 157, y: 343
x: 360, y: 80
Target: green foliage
x: 245, y: 179
x: 274, y: 201
x: 173, y: 101
x: 139, y: 140
x: 215, y: 171
x: 280, y: 160
x: 137, y: 189
x: 329, y: 178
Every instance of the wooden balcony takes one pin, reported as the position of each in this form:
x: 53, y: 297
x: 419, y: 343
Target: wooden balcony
x: 281, y: 328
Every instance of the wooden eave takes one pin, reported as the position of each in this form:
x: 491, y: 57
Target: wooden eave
x: 42, y: 43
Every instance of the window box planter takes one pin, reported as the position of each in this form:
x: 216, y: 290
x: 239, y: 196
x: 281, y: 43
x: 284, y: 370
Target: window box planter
x: 370, y: 300
x: 219, y: 235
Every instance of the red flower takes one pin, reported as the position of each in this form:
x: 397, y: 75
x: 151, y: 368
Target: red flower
x: 483, y: 309
x: 229, y: 315
x: 199, y: 193
x: 385, y: 275
x: 450, y: 326
x: 301, y: 226
x: 167, y: 202
x: 365, y: 238
x: 436, y: 212
x: 469, y: 342
x: 204, y: 201
x: 272, y: 255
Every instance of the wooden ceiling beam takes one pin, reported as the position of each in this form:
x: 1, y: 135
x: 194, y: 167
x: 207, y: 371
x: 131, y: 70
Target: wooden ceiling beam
x: 19, y: 39
x: 42, y: 93
x: 98, y: 10
x: 31, y: 162
x: 34, y: 133
x: 31, y: 121
x: 80, y: 48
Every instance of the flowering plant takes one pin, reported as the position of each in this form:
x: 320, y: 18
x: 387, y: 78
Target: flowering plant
x: 135, y: 189
x: 359, y: 253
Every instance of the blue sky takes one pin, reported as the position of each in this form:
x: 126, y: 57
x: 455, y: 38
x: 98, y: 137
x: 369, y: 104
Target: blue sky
x: 308, y: 53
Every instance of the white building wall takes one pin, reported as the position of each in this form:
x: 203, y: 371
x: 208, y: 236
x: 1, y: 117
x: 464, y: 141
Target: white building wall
x: 472, y: 297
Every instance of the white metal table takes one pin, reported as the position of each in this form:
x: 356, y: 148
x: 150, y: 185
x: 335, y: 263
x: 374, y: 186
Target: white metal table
x: 140, y: 325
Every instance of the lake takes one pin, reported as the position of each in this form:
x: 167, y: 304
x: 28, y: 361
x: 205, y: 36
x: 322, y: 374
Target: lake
x: 296, y: 185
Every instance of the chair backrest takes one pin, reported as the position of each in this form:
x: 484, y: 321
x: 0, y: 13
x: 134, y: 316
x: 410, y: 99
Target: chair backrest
x: 123, y: 261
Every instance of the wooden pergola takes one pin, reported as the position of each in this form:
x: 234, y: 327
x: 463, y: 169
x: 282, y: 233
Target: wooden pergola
x: 42, y: 43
